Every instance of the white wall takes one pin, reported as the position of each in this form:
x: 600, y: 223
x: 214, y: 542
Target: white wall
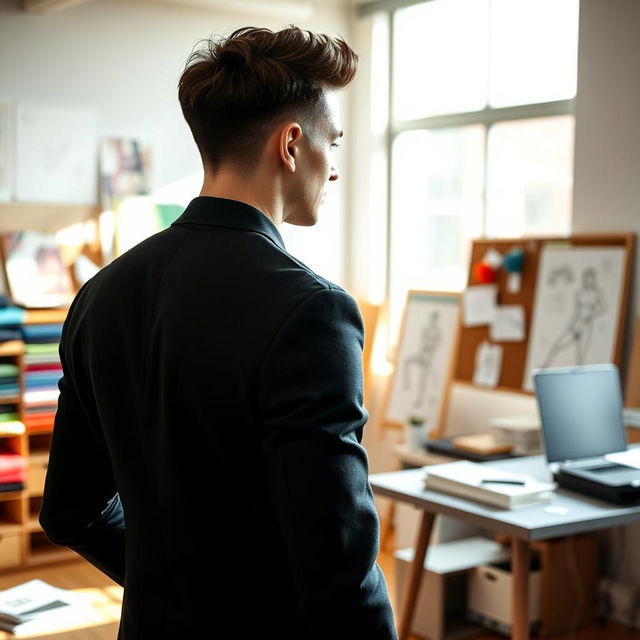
x: 123, y: 60
x: 607, y: 165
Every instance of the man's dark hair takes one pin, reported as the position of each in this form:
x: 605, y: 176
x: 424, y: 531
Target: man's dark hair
x: 234, y: 90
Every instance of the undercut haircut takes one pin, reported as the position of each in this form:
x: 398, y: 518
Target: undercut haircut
x: 234, y: 90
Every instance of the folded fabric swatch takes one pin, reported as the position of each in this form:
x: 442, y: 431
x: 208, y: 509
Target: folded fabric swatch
x: 8, y: 380
x: 41, y: 396
x: 8, y: 408
x: 9, y: 369
x: 9, y: 392
x: 10, y: 334
x: 52, y: 358
x: 10, y: 462
x: 49, y: 383
x: 12, y: 486
x: 50, y: 407
x: 43, y: 367
x: 41, y: 349
x: 13, y: 428
x: 12, y: 316
x: 8, y: 417
x: 30, y: 331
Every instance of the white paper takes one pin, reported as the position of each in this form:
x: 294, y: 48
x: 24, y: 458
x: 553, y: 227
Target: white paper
x: 514, y: 282
x: 56, y: 155
x: 628, y: 458
x: 423, y: 360
x: 479, y: 302
x: 23, y: 599
x: 84, y: 269
x: 508, y: 324
x: 576, y: 308
x: 488, y: 365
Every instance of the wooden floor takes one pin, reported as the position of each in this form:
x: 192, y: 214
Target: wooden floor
x: 610, y: 631
x: 106, y: 597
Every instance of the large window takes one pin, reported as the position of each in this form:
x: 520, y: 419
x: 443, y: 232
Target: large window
x: 480, y: 138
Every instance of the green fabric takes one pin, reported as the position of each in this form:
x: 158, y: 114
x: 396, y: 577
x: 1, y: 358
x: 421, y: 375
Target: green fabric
x: 8, y: 417
x: 41, y: 348
x: 8, y: 370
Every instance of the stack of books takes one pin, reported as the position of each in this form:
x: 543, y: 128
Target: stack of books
x: 521, y: 432
x: 485, y: 484
x: 42, y: 373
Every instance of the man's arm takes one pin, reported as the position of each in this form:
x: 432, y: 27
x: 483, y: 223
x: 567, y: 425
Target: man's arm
x: 81, y: 508
x: 311, y: 403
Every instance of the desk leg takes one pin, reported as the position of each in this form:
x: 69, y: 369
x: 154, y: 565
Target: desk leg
x: 415, y: 575
x: 520, y: 592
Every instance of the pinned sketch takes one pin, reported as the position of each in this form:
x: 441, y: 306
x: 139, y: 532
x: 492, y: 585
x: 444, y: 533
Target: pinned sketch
x: 479, y: 302
x: 488, y: 365
x: 508, y: 324
x: 423, y: 358
x: 56, y: 155
x: 5, y: 152
x: 576, y: 309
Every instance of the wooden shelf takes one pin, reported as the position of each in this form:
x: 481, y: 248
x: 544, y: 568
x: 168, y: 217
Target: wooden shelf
x: 12, y: 348
x: 33, y: 524
x: 12, y: 495
x: 46, y: 316
x: 49, y: 555
x: 10, y: 527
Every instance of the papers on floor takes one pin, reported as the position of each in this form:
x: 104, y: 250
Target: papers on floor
x: 37, y: 607
x: 485, y: 484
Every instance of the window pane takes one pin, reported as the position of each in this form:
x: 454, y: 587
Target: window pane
x: 534, y: 51
x: 440, y: 58
x: 530, y: 177
x: 436, y: 208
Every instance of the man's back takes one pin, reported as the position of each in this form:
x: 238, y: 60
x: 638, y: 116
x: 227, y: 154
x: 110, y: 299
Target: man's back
x: 215, y: 383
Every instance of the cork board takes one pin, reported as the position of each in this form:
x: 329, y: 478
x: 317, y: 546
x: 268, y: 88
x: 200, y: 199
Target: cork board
x: 514, y: 354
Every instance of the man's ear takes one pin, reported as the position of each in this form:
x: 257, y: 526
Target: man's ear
x: 290, y: 137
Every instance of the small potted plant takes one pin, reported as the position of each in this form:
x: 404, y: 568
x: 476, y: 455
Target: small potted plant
x: 416, y: 434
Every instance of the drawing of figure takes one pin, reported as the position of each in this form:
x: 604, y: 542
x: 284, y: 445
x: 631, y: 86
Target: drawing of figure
x: 422, y: 360
x: 589, y: 304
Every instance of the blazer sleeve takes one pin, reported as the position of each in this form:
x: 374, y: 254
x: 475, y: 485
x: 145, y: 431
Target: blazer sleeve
x: 81, y: 508
x: 311, y: 403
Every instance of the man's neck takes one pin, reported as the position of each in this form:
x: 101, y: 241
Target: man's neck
x: 256, y: 191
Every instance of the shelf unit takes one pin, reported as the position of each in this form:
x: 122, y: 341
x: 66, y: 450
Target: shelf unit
x: 22, y: 541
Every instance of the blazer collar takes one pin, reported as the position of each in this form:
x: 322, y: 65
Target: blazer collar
x: 232, y: 214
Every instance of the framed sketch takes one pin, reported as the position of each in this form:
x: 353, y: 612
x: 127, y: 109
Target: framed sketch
x: 35, y: 272
x: 6, y: 156
x: 577, y: 308
x: 424, y: 360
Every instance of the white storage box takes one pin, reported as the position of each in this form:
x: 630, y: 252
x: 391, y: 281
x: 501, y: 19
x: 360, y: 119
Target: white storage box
x: 490, y: 596
x: 443, y: 589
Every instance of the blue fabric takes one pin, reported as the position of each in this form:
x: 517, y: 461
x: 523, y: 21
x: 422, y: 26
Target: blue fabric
x: 53, y: 331
x: 12, y: 316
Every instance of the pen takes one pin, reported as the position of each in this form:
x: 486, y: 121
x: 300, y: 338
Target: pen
x: 489, y: 481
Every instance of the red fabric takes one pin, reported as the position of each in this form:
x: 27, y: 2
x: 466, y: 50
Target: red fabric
x: 43, y: 367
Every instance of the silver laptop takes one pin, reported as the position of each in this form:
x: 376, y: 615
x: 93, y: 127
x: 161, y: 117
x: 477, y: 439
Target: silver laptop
x: 582, y: 421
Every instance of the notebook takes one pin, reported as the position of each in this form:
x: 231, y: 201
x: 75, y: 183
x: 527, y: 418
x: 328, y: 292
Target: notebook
x: 583, y: 430
x: 481, y: 482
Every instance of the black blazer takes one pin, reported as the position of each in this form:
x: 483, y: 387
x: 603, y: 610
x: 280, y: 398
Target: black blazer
x: 212, y: 399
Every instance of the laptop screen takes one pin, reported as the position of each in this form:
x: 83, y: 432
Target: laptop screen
x: 580, y: 411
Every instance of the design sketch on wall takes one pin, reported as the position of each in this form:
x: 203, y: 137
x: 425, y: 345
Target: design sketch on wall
x: 576, y: 309
x: 5, y: 152
x: 416, y: 367
x: 423, y: 358
x: 589, y: 304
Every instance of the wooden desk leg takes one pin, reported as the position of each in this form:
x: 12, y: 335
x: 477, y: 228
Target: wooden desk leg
x: 520, y: 589
x: 386, y: 524
x: 415, y: 575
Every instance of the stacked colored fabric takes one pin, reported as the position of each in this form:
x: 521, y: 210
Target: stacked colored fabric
x: 13, y: 472
x: 42, y: 373
x: 9, y: 380
x: 10, y: 320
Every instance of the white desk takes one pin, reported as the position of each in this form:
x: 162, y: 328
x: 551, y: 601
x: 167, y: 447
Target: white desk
x: 568, y: 514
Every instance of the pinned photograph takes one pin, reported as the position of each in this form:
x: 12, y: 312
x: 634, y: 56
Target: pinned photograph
x: 125, y: 170
x: 35, y: 271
